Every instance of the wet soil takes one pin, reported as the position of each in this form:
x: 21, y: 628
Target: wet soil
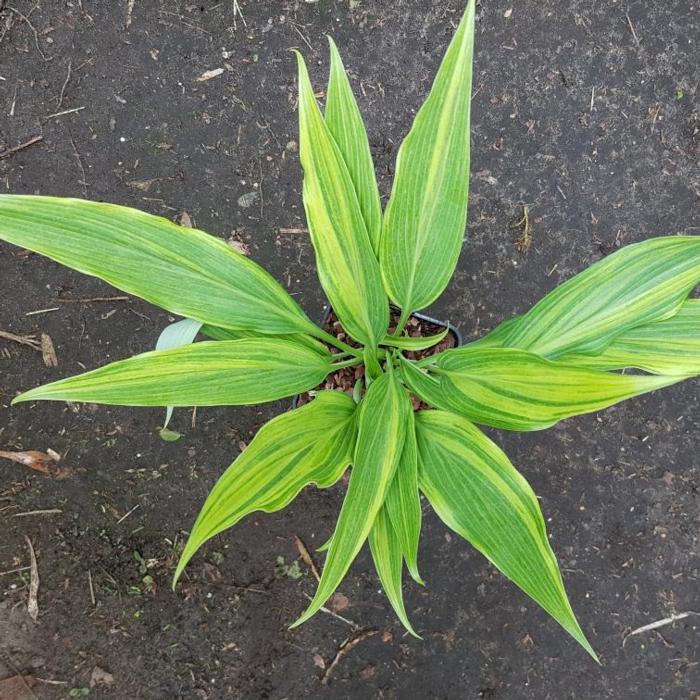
x: 585, y: 112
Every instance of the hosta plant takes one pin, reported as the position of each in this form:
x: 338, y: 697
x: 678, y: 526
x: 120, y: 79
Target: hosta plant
x: 569, y: 354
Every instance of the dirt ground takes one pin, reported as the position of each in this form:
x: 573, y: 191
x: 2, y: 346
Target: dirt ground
x: 585, y: 112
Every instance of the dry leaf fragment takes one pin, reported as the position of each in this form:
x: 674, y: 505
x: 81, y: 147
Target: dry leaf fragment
x: 46, y: 463
x: 209, y: 74
x: 99, y: 676
x: 339, y: 602
x: 17, y: 688
x: 142, y: 185
x: 238, y: 245
x: 48, y: 352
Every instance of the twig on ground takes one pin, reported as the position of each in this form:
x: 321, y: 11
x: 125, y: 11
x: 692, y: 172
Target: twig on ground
x: 292, y: 230
x: 237, y: 11
x: 89, y: 300
x: 25, y: 18
x: 634, y: 34
x: 14, y: 102
x: 83, y: 182
x: 306, y: 557
x: 65, y: 85
x: 43, y: 311
x: 20, y: 146
x: 344, y: 649
x: 46, y: 511
x: 299, y: 32
x: 15, y: 571
x: 28, y: 340
x: 525, y: 239
x: 33, y: 603
x: 64, y: 112
x: 323, y: 609
x: 126, y: 515
x: 660, y: 623
x: 92, y: 590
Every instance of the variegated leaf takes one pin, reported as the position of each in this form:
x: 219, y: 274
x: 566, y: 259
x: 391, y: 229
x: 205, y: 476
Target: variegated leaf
x: 382, y: 419
x: 670, y: 347
x: 478, y: 493
x: 403, y: 501
x: 518, y: 390
x: 183, y: 270
x: 347, y: 266
x: 212, y: 373
x: 636, y: 285
x: 312, y: 444
x: 426, y: 215
x: 348, y: 130
x: 388, y: 560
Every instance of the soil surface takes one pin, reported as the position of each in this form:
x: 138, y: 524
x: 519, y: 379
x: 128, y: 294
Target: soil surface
x: 585, y: 112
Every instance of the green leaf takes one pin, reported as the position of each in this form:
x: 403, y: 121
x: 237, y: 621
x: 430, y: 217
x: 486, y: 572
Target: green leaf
x: 345, y: 124
x: 414, y: 344
x: 518, y: 390
x: 670, y: 347
x: 167, y: 435
x: 478, y: 493
x: 212, y: 373
x: 216, y: 333
x: 311, y: 444
x: 387, y: 555
x: 637, y: 285
x: 426, y: 215
x: 347, y: 266
x: 176, y: 335
x: 428, y: 388
x: 382, y: 419
x: 495, y: 338
x: 402, y: 502
x: 183, y: 270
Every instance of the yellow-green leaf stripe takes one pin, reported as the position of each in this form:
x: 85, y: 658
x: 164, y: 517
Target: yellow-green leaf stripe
x: 426, y: 215
x: 312, y: 444
x: 403, y: 501
x: 478, y: 493
x: 382, y: 419
x: 518, y: 390
x: 347, y: 267
x: 386, y: 553
x: 212, y: 373
x: 348, y: 130
x: 636, y: 285
x: 184, y: 270
x: 670, y: 347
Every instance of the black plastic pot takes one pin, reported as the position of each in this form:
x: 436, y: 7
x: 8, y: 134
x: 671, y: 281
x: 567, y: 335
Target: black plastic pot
x: 443, y: 324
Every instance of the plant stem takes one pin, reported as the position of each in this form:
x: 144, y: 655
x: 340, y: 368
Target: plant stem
x: 403, y: 319
x: 372, y: 363
x: 353, y: 362
x: 425, y: 361
x: 332, y: 340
